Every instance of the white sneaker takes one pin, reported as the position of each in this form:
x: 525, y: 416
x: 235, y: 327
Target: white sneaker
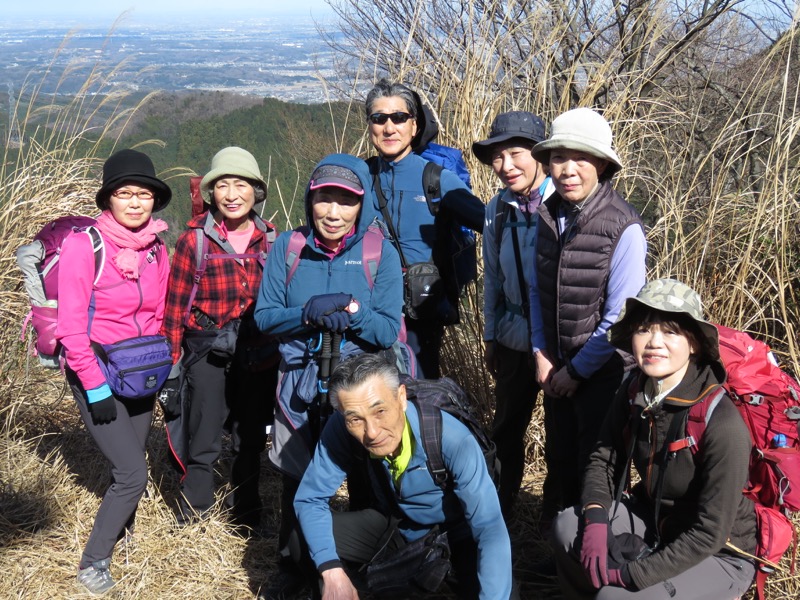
x: 96, y: 578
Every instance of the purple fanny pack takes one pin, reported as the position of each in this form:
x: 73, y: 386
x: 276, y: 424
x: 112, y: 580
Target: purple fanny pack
x: 135, y: 367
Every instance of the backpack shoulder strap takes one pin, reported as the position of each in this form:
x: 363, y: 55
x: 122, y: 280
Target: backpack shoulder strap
x: 371, y: 249
x: 697, y: 421
x: 500, y: 217
x: 383, y: 205
x: 200, y: 262
x: 297, y: 240
x: 432, y: 185
x: 430, y: 427
x: 99, y: 250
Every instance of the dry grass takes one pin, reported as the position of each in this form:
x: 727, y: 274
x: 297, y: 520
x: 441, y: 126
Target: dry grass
x: 716, y: 175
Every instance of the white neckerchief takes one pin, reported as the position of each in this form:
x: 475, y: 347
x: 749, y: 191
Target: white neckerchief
x: 654, y: 394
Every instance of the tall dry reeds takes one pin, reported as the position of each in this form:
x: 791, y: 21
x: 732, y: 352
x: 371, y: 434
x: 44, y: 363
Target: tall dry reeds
x: 704, y: 108
x: 704, y: 119
x: 706, y: 127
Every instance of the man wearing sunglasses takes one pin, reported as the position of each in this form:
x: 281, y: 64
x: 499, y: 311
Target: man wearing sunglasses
x: 396, y: 124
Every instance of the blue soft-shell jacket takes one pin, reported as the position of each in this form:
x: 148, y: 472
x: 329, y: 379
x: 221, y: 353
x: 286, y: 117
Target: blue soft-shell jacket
x: 279, y: 309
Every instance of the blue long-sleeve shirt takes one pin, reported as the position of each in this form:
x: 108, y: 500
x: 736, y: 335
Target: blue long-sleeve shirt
x: 422, y: 502
x: 401, y: 183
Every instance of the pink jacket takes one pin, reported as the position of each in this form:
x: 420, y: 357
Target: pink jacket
x: 124, y: 308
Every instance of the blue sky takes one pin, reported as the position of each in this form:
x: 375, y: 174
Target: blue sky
x: 143, y: 10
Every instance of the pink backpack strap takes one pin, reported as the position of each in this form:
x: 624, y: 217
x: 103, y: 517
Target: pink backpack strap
x: 297, y: 240
x: 371, y: 248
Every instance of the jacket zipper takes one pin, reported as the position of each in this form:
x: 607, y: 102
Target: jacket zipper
x: 125, y: 372
x: 137, y: 345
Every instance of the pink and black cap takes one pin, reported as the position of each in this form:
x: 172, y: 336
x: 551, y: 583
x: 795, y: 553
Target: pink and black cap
x: 336, y: 176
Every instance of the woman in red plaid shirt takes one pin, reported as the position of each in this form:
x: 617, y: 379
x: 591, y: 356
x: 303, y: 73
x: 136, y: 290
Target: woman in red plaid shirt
x: 225, y: 369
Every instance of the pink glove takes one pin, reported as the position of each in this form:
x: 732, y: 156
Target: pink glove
x: 594, y: 546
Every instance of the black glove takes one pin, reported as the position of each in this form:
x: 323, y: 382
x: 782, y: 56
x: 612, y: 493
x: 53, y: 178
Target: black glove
x: 103, y: 411
x: 170, y: 397
x: 336, y: 322
x: 324, y: 305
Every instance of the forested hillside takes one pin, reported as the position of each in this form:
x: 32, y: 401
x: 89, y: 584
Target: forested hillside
x: 286, y: 139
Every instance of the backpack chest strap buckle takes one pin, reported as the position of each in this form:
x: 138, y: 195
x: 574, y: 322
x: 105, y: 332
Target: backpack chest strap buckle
x: 678, y: 445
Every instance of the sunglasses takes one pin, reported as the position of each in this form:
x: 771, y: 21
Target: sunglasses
x: 396, y: 117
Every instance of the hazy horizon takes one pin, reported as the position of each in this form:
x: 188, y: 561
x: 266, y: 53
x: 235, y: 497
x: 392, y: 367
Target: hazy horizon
x: 142, y: 11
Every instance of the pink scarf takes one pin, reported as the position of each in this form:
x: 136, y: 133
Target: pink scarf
x: 129, y: 240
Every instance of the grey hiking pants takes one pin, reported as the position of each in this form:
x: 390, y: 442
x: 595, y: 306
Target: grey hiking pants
x: 122, y: 442
x: 718, y: 577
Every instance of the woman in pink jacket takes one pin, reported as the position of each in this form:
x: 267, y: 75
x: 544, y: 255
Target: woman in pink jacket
x: 125, y: 299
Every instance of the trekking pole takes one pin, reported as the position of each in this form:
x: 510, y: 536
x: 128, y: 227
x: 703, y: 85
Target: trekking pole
x: 336, y: 350
x: 322, y: 377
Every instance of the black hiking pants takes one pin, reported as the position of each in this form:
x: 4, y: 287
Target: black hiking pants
x: 515, y: 397
x: 225, y: 395
x: 361, y: 534
x: 424, y: 337
x: 122, y: 442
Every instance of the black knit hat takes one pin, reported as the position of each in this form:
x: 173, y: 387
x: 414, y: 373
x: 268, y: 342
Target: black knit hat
x: 131, y: 166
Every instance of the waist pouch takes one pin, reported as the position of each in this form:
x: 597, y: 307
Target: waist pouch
x: 220, y: 342
x: 424, y: 291
x: 136, y: 367
x: 419, y: 566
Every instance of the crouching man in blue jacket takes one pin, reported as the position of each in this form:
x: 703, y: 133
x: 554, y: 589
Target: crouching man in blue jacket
x: 371, y: 407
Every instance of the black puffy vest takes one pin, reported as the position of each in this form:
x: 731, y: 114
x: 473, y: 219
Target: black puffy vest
x: 572, y: 280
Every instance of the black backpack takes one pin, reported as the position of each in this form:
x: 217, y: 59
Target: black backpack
x: 455, y: 250
x: 431, y: 397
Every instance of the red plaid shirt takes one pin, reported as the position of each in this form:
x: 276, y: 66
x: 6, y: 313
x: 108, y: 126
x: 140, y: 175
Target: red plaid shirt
x: 227, y: 290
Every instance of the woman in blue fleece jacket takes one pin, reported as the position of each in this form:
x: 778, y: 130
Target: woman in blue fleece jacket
x: 324, y: 285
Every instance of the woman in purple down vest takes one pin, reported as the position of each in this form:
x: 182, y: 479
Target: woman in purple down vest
x: 590, y: 257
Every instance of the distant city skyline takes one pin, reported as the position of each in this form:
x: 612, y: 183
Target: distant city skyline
x: 144, y: 10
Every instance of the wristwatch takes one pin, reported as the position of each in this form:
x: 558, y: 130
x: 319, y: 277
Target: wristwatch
x: 353, y: 307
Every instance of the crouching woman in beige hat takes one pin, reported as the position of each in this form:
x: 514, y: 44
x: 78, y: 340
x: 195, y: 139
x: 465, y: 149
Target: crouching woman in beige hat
x: 685, y: 510
x: 224, y: 374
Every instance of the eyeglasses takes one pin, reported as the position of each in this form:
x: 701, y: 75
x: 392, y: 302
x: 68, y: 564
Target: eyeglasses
x: 128, y: 194
x: 396, y: 117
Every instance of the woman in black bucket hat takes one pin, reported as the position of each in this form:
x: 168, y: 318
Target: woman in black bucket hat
x: 509, y: 233
x: 114, y: 289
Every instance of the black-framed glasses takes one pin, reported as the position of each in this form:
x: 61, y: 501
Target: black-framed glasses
x: 128, y: 194
x: 396, y: 117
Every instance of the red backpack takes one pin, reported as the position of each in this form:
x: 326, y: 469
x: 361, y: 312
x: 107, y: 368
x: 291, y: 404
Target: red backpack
x: 769, y: 402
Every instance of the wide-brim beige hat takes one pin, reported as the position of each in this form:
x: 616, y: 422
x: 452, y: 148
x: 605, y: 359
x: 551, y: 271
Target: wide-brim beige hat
x: 581, y: 129
x: 233, y: 161
x: 669, y: 296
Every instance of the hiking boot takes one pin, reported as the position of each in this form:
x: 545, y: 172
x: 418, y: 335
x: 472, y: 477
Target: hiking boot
x: 96, y: 578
